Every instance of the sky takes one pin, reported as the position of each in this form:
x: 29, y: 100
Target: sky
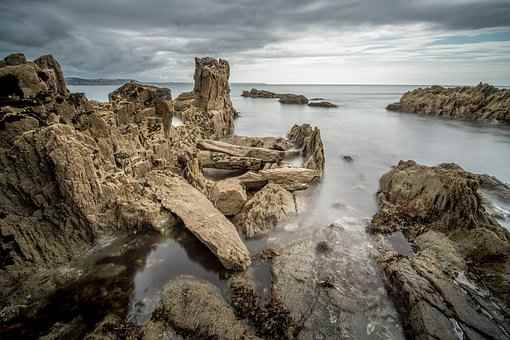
x: 279, y: 41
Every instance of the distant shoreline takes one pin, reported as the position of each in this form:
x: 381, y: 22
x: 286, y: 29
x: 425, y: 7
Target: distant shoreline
x: 75, y: 81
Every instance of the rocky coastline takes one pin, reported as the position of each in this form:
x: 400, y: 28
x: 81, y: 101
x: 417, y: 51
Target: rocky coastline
x: 89, y: 189
x: 478, y: 103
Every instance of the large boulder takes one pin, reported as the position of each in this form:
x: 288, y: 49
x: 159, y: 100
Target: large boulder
x: 198, y: 309
x: 265, y: 210
x: 482, y: 102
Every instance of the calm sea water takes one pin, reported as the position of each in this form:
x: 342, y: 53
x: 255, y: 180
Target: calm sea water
x: 376, y: 139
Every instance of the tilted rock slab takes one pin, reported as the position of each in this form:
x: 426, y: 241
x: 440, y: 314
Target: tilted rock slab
x: 291, y: 179
x: 200, y: 216
x: 482, y: 102
x: 308, y: 138
x: 267, y: 155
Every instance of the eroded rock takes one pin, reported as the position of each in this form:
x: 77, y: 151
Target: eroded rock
x: 229, y: 196
x: 265, y: 210
x: 296, y: 99
x: 308, y: 138
x: 482, y: 102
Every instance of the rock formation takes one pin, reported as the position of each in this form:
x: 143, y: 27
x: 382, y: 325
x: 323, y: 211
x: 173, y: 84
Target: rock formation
x: 254, y: 93
x: 297, y: 99
x: 209, y: 105
x: 322, y: 104
x: 309, y: 139
x: 265, y: 210
x: 482, y: 102
x: 460, y: 247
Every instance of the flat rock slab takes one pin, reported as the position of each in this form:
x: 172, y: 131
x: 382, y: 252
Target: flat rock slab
x: 267, y: 155
x: 290, y: 179
x: 200, y: 216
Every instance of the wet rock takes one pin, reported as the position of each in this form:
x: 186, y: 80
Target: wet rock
x: 296, y: 99
x: 254, y: 93
x: 200, y: 217
x: 229, y: 196
x: 196, y: 308
x: 481, y: 102
x: 308, y: 138
x: 442, y: 211
x: 348, y: 158
x: 322, y: 104
x: 265, y: 210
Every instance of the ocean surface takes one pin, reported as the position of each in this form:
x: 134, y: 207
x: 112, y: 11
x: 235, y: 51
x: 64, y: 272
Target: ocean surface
x: 376, y: 139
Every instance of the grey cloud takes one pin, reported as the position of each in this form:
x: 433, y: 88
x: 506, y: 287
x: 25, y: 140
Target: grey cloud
x: 100, y: 37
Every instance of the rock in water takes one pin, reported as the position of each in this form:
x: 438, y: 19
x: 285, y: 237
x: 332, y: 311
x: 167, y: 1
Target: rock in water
x: 482, y: 102
x: 254, y: 93
x: 210, y: 107
x: 200, y: 216
x: 322, y: 104
x: 297, y: 99
x: 265, y: 210
x: 197, y: 308
x: 461, y: 248
x: 308, y: 138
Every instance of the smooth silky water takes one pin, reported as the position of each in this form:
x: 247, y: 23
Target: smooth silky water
x: 376, y: 139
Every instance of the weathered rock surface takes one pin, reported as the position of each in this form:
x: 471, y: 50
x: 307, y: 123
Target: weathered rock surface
x: 290, y: 179
x: 296, y: 99
x: 322, y: 104
x: 229, y: 196
x: 274, y: 143
x: 196, y: 308
x: 209, y: 106
x: 308, y: 138
x: 461, y: 249
x: 200, y: 216
x: 220, y: 160
x: 263, y: 154
x: 482, y: 102
x: 265, y: 210
x: 254, y: 93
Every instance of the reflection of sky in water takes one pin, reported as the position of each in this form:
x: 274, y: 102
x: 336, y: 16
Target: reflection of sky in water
x: 376, y: 139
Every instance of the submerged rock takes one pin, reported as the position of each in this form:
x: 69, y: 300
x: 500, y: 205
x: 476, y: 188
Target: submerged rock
x: 482, y: 102
x: 297, y: 99
x: 265, y: 210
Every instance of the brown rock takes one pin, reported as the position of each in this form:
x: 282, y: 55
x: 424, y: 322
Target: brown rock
x: 293, y: 99
x: 15, y: 59
x: 265, y: 210
x: 290, y: 179
x: 229, y: 196
x: 310, y: 140
x: 254, y: 93
x: 52, y: 68
x: 482, y: 102
x: 322, y: 104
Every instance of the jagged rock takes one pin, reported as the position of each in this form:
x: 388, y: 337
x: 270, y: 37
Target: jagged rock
x: 322, y: 104
x: 52, y: 68
x: 290, y: 179
x: 266, y: 155
x: 200, y: 217
x: 265, y: 210
x: 482, y: 102
x: 442, y: 211
x: 15, y: 59
x: 211, y: 108
x: 229, y: 196
x: 274, y: 143
x: 183, y: 101
x: 293, y: 99
x: 146, y: 95
x: 197, y: 308
x: 254, y: 93
x: 308, y: 138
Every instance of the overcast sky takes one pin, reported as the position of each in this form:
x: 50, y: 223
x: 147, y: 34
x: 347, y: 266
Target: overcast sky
x: 277, y: 41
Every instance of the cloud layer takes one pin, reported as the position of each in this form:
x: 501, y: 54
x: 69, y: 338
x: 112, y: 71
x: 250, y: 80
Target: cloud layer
x: 333, y: 41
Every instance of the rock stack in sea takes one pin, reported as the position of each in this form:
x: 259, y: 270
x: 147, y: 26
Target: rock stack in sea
x: 288, y: 98
x: 481, y: 102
